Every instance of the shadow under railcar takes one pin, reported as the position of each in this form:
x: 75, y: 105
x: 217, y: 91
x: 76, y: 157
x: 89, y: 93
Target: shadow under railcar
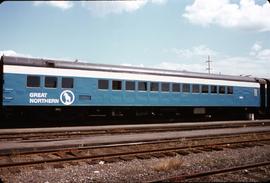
x: 21, y: 117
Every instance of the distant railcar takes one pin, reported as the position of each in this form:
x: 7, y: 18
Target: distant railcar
x: 49, y: 89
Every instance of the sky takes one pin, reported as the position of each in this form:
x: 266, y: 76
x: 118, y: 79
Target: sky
x: 168, y: 34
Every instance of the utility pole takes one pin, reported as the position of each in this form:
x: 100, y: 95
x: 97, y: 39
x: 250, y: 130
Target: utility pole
x: 208, y: 61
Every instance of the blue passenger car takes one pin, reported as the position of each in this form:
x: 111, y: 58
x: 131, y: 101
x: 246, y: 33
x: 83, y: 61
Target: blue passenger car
x: 43, y: 86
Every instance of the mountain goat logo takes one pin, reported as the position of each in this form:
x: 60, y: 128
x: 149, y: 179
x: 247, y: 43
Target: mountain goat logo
x: 67, y: 97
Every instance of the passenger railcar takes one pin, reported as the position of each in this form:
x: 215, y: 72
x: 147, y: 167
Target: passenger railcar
x: 48, y: 89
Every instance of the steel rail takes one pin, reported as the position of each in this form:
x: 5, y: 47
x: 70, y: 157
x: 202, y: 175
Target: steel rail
x: 25, y: 136
x: 35, y: 150
x: 213, y: 172
x: 126, y: 154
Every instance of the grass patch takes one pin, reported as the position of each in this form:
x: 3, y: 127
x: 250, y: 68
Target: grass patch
x: 167, y: 164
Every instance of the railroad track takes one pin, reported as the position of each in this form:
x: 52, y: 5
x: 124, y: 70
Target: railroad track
x: 129, y: 151
x: 196, y: 176
x: 49, y: 134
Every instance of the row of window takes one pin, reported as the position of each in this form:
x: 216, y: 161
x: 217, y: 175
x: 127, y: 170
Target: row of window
x: 49, y: 82
x: 66, y: 82
x: 164, y: 87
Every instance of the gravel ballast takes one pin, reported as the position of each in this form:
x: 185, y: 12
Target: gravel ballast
x: 148, y: 170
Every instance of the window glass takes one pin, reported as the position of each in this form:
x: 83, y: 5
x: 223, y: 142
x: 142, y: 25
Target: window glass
x: 33, y: 81
x: 165, y: 87
x: 221, y: 89
x: 230, y: 90
x: 186, y: 88
x: 130, y: 85
x: 176, y: 87
x: 195, y: 88
x: 205, y: 88
x: 103, y: 84
x: 213, y: 89
x: 142, y: 86
x: 67, y: 82
x: 154, y: 86
x: 50, y: 82
x: 117, y: 85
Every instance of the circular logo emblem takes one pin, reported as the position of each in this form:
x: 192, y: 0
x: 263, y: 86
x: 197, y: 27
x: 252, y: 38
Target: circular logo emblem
x: 67, y: 97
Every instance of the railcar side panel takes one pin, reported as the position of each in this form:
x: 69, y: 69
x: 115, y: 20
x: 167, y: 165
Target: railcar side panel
x: 1, y: 84
x: 85, y: 92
